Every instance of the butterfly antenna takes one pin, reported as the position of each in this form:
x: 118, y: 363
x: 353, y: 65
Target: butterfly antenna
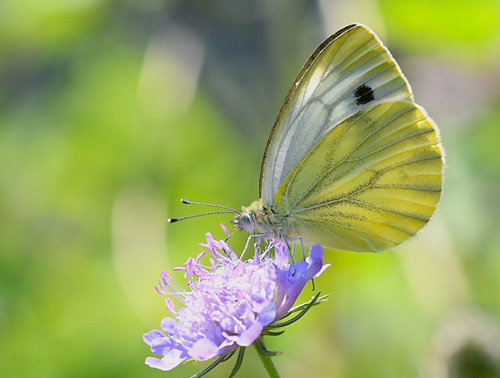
x: 186, y: 202
x: 173, y: 220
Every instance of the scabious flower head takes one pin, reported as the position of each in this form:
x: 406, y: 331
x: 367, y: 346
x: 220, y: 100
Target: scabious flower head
x: 228, y: 303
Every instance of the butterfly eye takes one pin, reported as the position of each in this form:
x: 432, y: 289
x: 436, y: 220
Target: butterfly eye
x: 363, y: 94
x: 245, y: 220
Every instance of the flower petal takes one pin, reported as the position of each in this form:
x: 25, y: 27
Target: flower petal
x: 281, y: 253
x: 250, y: 335
x: 265, y: 317
x: 293, y: 280
x: 151, y: 335
x: 168, y: 362
x: 168, y: 325
x: 315, y: 260
x: 161, y: 345
x: 203, y: 349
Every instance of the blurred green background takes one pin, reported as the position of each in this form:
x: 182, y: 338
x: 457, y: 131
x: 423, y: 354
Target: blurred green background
x: 111, y: 111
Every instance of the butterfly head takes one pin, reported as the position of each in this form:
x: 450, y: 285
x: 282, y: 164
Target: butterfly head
x: 244, y: 221
x: 256, y: 219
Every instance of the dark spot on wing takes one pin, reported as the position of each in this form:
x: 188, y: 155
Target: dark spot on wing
x: 363, y: 94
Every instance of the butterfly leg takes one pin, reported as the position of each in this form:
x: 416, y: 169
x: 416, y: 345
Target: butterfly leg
x: 294, y: 239
x: 291, y: 252
x: 226, y: 240
x: 255, y: 236
x: 304, y: 257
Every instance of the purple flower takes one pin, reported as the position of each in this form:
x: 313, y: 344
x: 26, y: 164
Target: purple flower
x: 229, y: 301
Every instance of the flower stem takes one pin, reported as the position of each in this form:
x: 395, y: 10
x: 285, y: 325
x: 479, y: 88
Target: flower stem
x: 266, y: 359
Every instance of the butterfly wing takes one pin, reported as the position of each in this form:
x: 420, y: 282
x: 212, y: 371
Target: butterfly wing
x: 347, y: 73
x: 371, y: 183
x: 352, y: 162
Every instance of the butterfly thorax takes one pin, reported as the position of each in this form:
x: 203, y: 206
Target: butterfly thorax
x: 257, y: 218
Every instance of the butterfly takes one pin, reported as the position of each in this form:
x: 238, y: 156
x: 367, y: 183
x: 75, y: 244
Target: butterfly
x: 352, y: 162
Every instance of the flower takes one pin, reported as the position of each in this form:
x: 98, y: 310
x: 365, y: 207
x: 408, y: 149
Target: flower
x: 229, y: 302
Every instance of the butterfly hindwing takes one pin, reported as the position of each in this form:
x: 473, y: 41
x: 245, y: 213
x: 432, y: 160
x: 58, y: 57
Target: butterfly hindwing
x: 371, y: 183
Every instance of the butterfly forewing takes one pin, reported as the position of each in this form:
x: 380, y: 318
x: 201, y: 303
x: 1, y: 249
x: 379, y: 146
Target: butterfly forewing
x: 371, y: 183
x: 349, y: 72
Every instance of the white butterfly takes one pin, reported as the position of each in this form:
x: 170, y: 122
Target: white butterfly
x: 352, y: 162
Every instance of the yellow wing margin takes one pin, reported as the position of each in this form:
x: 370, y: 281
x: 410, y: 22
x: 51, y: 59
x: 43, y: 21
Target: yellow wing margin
x: 370, y: 184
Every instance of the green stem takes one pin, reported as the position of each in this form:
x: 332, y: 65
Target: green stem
x: 266, y: 360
